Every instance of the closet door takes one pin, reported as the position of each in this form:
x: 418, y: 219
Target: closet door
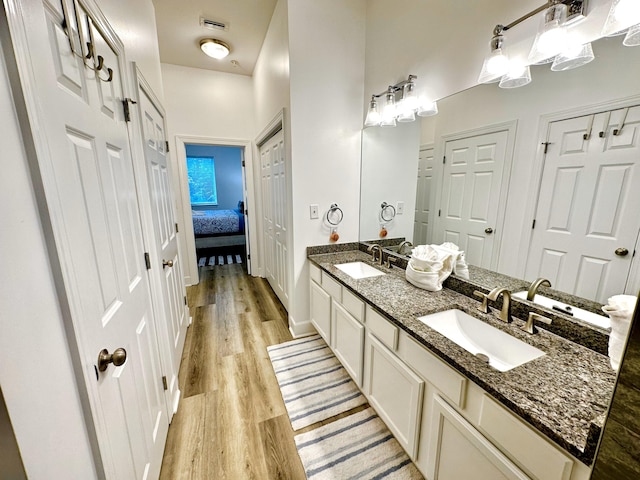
x: 587, y: 221
x: 421, y: 227
x: 470, y: 197
x: 274, y: 211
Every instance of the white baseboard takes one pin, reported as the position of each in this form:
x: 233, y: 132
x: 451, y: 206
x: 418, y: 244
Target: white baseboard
x: 301, y: 329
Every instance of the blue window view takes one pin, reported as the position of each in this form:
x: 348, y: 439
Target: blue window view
x: 202, y: 181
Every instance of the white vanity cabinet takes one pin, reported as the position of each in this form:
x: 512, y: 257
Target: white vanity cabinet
x: 337, y: 314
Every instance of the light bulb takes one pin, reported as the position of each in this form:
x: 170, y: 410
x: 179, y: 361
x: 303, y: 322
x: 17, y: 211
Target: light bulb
x: 498, y: 63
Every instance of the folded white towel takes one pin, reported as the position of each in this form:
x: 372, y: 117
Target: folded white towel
x: 441, y: 260
x: 620, y: 309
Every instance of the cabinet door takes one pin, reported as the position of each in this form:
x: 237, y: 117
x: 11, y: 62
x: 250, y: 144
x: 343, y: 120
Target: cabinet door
x: 395, y: 392
x: 347, y: 341
x: 457, y: 450
x: 321, y: 311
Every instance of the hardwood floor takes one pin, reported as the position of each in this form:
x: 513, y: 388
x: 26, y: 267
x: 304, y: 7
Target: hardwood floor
x: 231, y: 422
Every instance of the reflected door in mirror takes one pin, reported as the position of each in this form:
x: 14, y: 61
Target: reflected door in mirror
x: 588, y: 205
x: 421, y: 229
x: 470, y: 196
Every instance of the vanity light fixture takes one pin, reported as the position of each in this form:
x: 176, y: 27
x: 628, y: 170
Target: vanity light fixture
x: 402, y: 109
x: 215, y: 48
x: 622, y: 15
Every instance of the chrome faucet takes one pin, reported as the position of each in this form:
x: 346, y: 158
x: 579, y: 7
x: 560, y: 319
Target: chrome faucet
x: 505, y: 313
x: 533, y: 288
x: 406, y: 243
x: 373, y: 249
x: 529, y: 327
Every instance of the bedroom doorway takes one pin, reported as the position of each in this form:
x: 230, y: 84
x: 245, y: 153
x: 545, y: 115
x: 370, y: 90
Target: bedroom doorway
x: 217, y: 198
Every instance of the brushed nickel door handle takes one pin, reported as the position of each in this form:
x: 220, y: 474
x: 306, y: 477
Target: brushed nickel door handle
x: 118, y: 357
x: 621, y: 252
x: 167, y: 263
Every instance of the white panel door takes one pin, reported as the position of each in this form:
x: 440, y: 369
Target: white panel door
x: 274, y: 211
x: 470, y: 195
x: 421, y: 228
x: 88, y: 178
x: 173, y: 294
x: 588, y: 205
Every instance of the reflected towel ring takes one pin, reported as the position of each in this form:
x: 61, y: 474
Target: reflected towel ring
x: 387, y: 212
x: 334, y: 211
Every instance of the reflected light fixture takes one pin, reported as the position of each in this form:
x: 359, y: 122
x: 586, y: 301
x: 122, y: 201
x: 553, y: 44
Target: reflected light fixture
x: 497, y: 63
x: 215, y: 48
x: 573, y: 56
x: 551, y: 38
x: 632, y: 38
x: 403, y: 109
x: 394, y: 110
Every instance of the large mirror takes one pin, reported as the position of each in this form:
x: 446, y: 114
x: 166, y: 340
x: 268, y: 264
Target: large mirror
x: 528, y: 182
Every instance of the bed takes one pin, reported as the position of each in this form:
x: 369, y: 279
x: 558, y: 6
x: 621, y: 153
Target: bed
x: 208, y: 223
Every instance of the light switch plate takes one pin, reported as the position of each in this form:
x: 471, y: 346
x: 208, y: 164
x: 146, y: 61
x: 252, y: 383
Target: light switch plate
x: 400, y: 208
x: 313, y: 212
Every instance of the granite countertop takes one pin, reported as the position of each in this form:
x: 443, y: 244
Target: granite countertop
x: 564, y: 394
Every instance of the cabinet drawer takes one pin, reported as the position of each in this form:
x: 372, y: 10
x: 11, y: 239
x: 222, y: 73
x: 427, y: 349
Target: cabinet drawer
x: 332, y: 287
x: 384, y: 330
x: 526, y: 447
x: 353, y: 304
x: 315, y: 273
x: 450, y: 383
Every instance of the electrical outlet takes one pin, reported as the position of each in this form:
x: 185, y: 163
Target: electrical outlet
x: 400, y: 208
x: 313, y: 211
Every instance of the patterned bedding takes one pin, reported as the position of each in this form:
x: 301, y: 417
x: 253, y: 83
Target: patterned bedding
x: 217, y: 222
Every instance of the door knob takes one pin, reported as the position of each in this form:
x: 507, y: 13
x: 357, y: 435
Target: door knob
x: 621, y: 252
x: 488, y: 230
x: 166, y: 263
x: 118, y: 357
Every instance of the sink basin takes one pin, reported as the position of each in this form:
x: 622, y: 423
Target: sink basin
x: 358, y: 270
x: 584, y: 315
x: 503, y: 351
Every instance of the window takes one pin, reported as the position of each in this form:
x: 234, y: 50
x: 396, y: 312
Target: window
x: 202, y: 181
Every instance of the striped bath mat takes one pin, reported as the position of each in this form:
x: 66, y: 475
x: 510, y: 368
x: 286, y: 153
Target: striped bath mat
x: 358, y: 446
x: 313, y: 383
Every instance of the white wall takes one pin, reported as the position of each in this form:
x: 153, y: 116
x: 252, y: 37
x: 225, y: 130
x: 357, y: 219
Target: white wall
x: 208, y: 105
x: 326, y: 44
x: 598, y: 82
x: 389, y: 165
x: 35, y: 366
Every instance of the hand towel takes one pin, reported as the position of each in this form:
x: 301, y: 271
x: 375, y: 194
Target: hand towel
x: 620, y: 310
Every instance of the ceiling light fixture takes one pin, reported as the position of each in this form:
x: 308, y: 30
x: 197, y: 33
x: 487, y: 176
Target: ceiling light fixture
x: 403, y: 109
x: 215, y: 48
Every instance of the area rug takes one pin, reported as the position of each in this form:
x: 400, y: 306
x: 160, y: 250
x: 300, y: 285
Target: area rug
x: 358, y: 446
x: 313, y: 383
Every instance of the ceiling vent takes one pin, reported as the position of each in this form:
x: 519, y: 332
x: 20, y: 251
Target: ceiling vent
x: 213, y: 24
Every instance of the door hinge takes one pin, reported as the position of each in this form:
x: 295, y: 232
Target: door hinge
x: 147, y: 260
x: 185, y: 299
x: 166, y: 145
x: 126, y: 109
x: 444, y: 159
x: 533, y: 225
x: 439, y: 212
x: 246, y: 212
x: 164, y: 382
x: 177, y: 230
x: 546, y: 146
x: 248, y: 257
x: 243, y: 163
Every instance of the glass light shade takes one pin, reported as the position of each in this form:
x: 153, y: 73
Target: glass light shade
x: 389, y: 110
x: 409, y: 97
x: 427, y: 108
x: 373, y: 116
x: 573, y: 57
x: 551, y: 38
x: 215, y: 48
x: 495, y: 66
x: 519, y: 75
x: 407, y: 116
x: 622, y: 14
x: 633, y: 37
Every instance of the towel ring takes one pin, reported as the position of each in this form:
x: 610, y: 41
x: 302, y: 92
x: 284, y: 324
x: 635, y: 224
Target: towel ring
x: 334, y: 211
x: 387, y: 212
